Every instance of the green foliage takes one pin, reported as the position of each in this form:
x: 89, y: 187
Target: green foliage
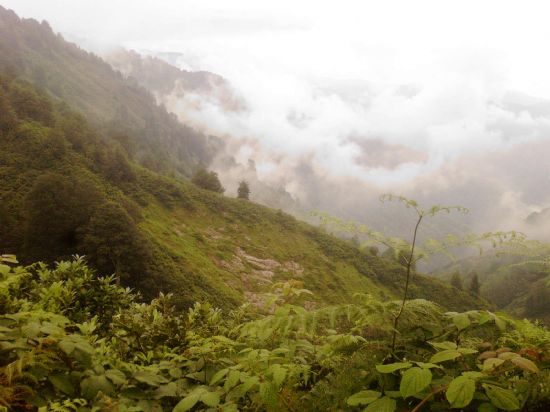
x: 243, y: 192
x: 207, y: 180
x: 115, y: 244
x: 474, y: 284
x: 70, y: 340
x: 63, y: 200
x: 456, y: 281
x: 180, y: 238
x: 117, y: 106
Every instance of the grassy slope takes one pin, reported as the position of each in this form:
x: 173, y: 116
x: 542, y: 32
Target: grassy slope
x: 202, y: 241
x: 195, y: 235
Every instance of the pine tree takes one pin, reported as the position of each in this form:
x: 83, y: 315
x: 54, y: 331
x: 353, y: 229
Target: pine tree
x: 244, y: 190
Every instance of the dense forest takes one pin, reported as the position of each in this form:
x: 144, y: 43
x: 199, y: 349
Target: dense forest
x: 130, y: 280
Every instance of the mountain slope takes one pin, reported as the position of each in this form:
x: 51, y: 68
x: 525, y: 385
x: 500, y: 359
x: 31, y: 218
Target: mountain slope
x: 64, y: 188
x: 163, y: 79
x: 115, y: 105
x: 516, y: 280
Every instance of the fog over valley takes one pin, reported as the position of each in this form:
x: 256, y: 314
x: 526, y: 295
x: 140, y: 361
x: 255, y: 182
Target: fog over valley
x: 332, y: 103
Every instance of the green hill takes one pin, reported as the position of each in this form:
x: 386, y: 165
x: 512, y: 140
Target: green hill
x: 514, y: 280
x: 59, y: 174
x: 87, y: 184
x: 117, y: 107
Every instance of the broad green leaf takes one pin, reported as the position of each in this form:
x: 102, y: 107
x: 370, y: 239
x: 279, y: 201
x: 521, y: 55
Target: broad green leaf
x: 460, y: 392
x: 502, y: 398
x: 85, y: 347
x: 66, y: 346
x: 392, y: 367
x: 279, y: 375
x: 491, y: 363
x: 218, y: 376
x: 240, y: 390
x: 444, y: 345
x: 168, y: 390
x: 501, y: 323
x: 414, y: 380
x: 507, y: 355
x: 31, y: 330
x: 384, y: 404
x: 232, y: 379
x: 461, y: 321
x: 92, y: 385
x: 484, y: 318
x: 446, y: 355
x: 363, y: 398
x: 467, y: 351
x: 525, y: 364
x: 62, y: 382
x: 187, y: 403
x: 175, y: 373
x: 115, y: 376
x: 473, y: 375
x: 210, y: 398
x: 149, y: 378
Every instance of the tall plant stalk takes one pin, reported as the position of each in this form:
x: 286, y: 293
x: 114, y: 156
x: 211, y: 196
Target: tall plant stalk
x: 409, y: 262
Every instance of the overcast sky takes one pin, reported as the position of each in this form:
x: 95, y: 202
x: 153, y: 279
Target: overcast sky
x: 383, y: 91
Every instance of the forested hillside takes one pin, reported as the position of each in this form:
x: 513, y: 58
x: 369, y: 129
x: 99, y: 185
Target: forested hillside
x: 515, y: 279
x: 66, y: 190
x: 163, y: 80
x: 116, y: 106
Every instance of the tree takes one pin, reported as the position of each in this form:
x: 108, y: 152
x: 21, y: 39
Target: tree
x: 30, y: 104
x: 243, y: 192
x: 207, y: 180
x: 456, y: 281
x: 474, y: 284
x: 56, y: 207
x: 113, y: 242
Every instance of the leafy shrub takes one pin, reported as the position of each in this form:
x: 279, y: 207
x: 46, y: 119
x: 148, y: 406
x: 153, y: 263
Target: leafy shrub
x: 70, y: 340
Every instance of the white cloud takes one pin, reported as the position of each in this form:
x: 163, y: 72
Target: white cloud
x: 431, y: 76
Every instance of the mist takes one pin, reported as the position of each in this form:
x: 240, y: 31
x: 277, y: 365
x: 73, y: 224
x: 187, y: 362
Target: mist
x: 327, y: 109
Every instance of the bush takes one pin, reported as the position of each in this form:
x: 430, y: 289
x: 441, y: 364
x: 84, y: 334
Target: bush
x: 207, y: 180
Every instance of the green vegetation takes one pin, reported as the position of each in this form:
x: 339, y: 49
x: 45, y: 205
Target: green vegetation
x: 289, y: 317
x: 115, y: 106
x: 207, y: 180
x: 70, y: 340
x: 68, y: 191
x: 243, y: 192
x: 515, y: 279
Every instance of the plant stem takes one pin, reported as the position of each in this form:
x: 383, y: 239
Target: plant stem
x: 409, y: 265
x: 428, y: 397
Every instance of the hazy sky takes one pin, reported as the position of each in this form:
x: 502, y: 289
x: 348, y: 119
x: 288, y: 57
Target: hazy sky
x: 384, y: 91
